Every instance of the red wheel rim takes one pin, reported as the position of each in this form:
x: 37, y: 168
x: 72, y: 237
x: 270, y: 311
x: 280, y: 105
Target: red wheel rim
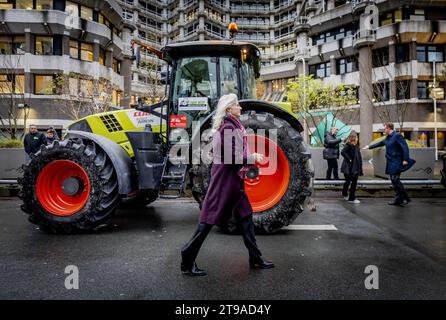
x: 265, y: 191
x: 50, y: 188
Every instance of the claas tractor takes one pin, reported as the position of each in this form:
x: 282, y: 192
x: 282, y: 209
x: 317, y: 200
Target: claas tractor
x: 125, y: 157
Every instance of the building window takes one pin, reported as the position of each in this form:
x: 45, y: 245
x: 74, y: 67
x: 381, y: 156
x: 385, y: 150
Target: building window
x: 74, y: 49
x: 86, y: 13
x: 24, y: 4
x: 380, y: 57
x: 321, y: 70
x: 72, y: 9
x: 346, y: 65
x: 12, y: 45
x: 6, y: 4
x: 116, y: 98
x: 402, y: 53
x: 116, y: 66
x: 418, y: 15
x: 43, y: 84
x: 402, y: 89
x: 430, y: 53
x: 73, y: 86
x: 44, y: 4
x: 44, y: 46
x: 86, y: 52
x: 12, y: 83
x: 423, y: 89
x: 102, y: 56
x: 86, y: 88
x: 381, y: 91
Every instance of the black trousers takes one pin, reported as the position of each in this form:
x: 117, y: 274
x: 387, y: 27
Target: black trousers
x: 400, y: 192
x: 353, y: 180
x: 190, y: 250
x: 332, y: 166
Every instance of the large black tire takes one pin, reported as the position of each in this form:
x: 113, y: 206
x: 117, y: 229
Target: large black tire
x: 301, y: 173
x: 104, y: 194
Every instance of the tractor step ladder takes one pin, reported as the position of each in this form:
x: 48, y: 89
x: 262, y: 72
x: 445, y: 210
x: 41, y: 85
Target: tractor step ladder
x: 174, y: 175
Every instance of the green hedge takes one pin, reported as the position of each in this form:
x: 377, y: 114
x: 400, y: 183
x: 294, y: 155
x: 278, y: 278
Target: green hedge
x: 10, y: 143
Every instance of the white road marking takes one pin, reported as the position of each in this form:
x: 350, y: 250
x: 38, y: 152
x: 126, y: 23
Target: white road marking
x: 325, y: 227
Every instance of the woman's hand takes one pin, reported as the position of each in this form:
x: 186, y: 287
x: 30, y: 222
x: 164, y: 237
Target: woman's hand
x: 366, y: 148
x: 258, y: 157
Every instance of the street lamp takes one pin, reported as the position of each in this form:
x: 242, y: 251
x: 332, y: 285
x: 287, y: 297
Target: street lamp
x: 305, y: 99
x: 435, y: 114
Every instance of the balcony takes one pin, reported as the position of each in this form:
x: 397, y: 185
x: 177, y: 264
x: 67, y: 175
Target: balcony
x: 301, y: 24
x: 364, y: 38
x: 217, y: 5
x: 313, y: 5
x: 358, y: 6
x: 284, y: 5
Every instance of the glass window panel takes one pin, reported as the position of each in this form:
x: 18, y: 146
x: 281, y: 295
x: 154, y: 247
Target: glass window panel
x: 72, y: 8
x: 74, y: 49
x: 86, y: 13
x: 6, y: 83
x: 19, y: 84
x: 24, y: 4
x: 73, y: 86
x: 5, y: 45
x: 43, y: 84
x: 44, y: 46
x: 6, y: 4
x: 102, y: 57
x: 86, y: 88
x: 87, y: 52
x: 44, y: 4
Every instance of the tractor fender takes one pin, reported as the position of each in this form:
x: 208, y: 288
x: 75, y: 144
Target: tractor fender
x: 258, y: 106
x: 120, y: 159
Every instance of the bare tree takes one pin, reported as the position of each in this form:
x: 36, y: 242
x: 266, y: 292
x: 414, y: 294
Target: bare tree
x: 152, y: 75
x: 83, y: 95
x: 14, y: 102
x: 387, y: 109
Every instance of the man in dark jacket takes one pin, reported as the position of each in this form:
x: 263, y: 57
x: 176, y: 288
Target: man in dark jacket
x: 33, y: 140
x: 398, y: 161
x: 331, y: 152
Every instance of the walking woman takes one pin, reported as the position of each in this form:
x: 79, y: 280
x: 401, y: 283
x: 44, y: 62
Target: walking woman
x: 226, y: 196
x: 351, y: 167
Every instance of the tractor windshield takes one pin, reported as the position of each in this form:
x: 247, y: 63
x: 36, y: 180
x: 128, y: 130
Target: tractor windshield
x: 200, y: 81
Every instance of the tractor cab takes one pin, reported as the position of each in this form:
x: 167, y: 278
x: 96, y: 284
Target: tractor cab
x: 200, y: 72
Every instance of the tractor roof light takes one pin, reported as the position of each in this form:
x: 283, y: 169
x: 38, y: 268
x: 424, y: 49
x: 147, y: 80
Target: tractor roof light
x: 233, y: 29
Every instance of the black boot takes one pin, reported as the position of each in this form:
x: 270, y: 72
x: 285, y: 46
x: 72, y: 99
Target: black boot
x: 260, y: 263
x: 192, y: 270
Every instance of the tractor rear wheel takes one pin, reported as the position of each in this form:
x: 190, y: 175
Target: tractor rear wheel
x: 69, y: 186
x: 278, y: 198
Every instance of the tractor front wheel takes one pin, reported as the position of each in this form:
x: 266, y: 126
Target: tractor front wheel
x: 69, y: 186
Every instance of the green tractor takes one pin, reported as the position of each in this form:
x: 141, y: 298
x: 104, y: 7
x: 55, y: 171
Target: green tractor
x: 131, y: 156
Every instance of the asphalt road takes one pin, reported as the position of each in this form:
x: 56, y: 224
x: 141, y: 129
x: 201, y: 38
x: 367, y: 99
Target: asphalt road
x: 139, y: 259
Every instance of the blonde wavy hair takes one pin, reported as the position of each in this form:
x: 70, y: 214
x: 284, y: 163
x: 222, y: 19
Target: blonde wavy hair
x: 225, y: 102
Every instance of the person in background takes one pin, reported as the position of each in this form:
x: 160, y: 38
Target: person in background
x: 351, y: 167
x: 51, y: 136
x: 331, y: 152
x: 33, y: 140
x: 56, y: 136
x: 398, y: 161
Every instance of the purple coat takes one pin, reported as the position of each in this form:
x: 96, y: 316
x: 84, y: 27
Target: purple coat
x: 226, y: 195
